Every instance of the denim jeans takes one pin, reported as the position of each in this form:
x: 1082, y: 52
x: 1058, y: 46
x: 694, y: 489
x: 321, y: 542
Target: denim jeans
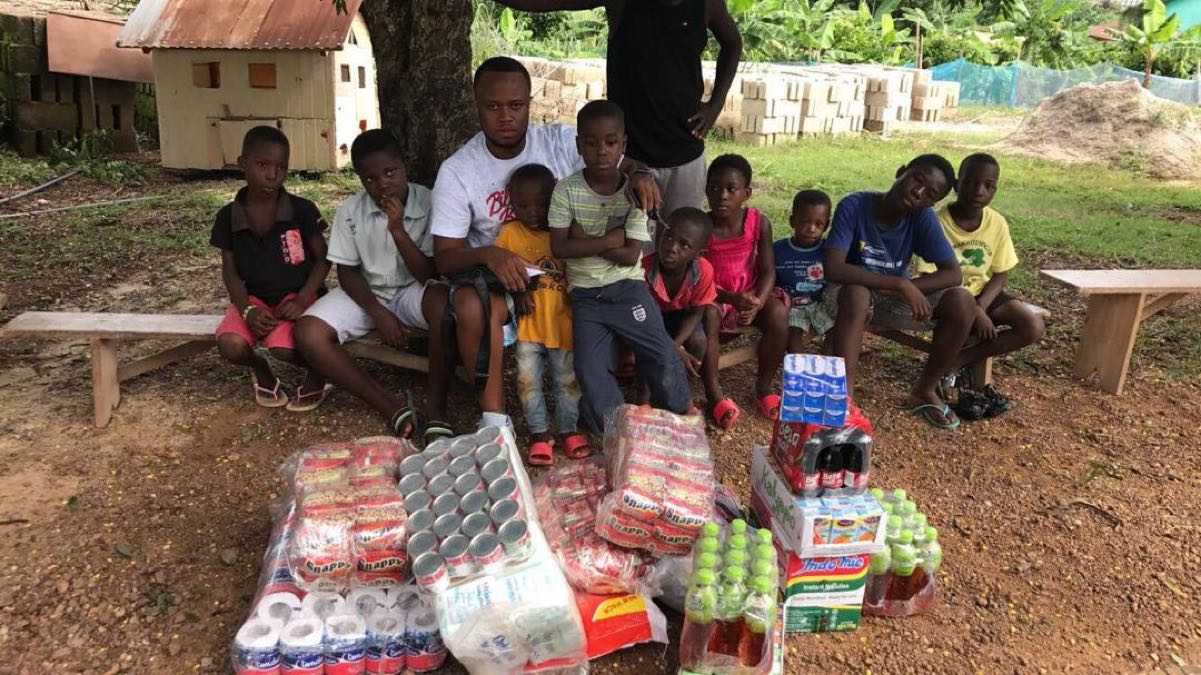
x: 533, y: 360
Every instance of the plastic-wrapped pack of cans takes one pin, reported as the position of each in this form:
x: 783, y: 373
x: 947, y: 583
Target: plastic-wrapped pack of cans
x: 567, y: 499
x: 903, y: 578
x: 368, y: 630
x: 730, y: 608
x: 661, y: 480
x: 350, y: 521
x: 815, y: 390
x: 466, y: 514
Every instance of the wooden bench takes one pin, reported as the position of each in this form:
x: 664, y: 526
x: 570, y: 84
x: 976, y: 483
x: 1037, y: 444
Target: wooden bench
x: 104, y: 331
x: 1118, y: 301
x: 980, y: 372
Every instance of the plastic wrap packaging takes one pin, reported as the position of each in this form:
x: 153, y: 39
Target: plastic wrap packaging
x: 518, y: 615
x: 350, y: 519
x: 818, y: 460
x: 567, y: 498
x: 660, y: 478
x: 615, y: 622
x: 903, y: 578
x: 369, y: 630
x: 730, y: 610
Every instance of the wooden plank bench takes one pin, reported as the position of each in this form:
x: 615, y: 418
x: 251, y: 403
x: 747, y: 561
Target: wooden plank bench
x: 1118, y: 302
x: 105, y: 330
x: 980, y: 372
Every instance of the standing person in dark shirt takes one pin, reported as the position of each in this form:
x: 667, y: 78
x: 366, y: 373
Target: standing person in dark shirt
x: 654, y: 73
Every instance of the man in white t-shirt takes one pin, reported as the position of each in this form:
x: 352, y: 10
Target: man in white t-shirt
x: 470, y: 203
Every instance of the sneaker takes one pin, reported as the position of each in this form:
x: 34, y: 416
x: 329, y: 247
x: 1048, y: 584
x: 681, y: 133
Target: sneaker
x: 998, y: 402
x: 972, y: 405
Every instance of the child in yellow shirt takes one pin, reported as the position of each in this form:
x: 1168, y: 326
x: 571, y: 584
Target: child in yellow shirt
x: 544, y: 320
x: 980, y: 237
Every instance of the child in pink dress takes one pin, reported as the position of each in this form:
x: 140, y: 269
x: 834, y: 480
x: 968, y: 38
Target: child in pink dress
x: 744, y: 269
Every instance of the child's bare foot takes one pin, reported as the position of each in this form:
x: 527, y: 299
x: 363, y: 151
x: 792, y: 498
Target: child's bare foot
x: 725, y: 412
x: 576, y: 445
x: 311, y: 393
x: 927, y: 405
x: 272, y: 395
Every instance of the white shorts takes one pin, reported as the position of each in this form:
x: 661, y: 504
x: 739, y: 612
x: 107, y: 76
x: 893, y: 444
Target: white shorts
x: 344, y: 315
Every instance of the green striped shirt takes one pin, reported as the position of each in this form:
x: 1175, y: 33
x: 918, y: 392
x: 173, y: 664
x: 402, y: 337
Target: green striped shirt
x: 574, y: 200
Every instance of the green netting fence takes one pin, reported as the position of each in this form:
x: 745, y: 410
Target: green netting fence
x: 1021, y: 85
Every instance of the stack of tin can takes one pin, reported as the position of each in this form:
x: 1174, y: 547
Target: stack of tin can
x: 466, y: 514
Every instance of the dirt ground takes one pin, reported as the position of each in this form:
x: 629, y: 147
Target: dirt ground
x: 1070, y: 525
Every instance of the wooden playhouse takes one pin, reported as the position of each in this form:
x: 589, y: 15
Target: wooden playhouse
x: 224, y: 66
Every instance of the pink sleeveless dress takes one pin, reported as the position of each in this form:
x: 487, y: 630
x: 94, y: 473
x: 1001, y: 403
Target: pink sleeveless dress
x: 736, y: 264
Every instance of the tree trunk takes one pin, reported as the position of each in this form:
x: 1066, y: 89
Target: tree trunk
x: 1147, y: 72
x: 423, y: 60
x: 918, y: 40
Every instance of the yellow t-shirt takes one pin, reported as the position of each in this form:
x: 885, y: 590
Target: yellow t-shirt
x: 550, y: 324
x: 981, y: 254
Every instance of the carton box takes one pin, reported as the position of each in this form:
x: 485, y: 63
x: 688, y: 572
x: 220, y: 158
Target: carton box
x: 823, y: 594
x: 814, y: 526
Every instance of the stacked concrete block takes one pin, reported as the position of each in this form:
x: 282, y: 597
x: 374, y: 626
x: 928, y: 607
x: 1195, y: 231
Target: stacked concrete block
x: 771, y: 109
x: 729, y: 122
x: 560, y: 89
x: 49, y: 109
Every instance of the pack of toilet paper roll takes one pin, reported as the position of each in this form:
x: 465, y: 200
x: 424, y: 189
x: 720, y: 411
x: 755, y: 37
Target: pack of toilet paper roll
x: 369, y: 630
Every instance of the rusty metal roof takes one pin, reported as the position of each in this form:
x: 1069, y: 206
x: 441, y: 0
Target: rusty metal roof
x: 237, y: 24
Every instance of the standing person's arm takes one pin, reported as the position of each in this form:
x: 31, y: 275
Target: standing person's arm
x: 729, y: 43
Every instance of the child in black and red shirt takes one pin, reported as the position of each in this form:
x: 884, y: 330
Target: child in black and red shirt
x: 273, y: 264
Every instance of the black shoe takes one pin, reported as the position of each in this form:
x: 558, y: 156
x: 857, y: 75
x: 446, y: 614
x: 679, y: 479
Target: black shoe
x: 998, y: 403
x: 972, y: 405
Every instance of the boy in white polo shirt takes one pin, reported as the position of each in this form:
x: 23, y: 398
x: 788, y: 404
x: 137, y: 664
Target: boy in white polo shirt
x: 382, y: 246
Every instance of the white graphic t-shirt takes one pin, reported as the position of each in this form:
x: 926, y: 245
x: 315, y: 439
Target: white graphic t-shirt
x: 470, y: 200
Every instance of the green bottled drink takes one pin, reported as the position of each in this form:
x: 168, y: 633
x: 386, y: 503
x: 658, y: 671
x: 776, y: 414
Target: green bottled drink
x: 931, y: 551
x: 893, y: 530
x: 762, y: 537
x: 704, y: 545
x: 706, y: 561
x: 765, y: 552
x: 700, y: 606
x: 878, y: 494
x: 759, y: 614
x: 738, y: 526
x: 877, y: 579
x: 736, y: 558
x: 710, y: 530
x: 736, y: 542
x: 904, y: 562
x: 727, y: 629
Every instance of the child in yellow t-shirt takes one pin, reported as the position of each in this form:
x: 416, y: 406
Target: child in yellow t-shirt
x: 980, y: 237
x: 544, y: 320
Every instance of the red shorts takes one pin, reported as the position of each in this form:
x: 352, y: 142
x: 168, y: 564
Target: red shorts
x: 280, y: 337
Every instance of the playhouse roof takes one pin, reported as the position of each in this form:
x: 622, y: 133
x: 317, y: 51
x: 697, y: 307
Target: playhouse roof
x: 237, y: 24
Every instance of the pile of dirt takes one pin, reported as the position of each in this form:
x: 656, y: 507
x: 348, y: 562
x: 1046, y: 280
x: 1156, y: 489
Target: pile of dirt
x: 1119, y: 124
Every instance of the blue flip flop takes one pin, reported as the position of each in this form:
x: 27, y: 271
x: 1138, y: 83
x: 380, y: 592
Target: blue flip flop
x: 949, y: 419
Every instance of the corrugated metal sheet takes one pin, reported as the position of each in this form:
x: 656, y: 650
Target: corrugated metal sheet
x: 82, y: 44
x: 237, y: 24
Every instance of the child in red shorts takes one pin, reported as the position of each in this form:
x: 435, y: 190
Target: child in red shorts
x: 273, y: 264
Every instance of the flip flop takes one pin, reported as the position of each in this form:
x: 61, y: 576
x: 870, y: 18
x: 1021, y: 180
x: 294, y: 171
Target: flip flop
x: 725, y: 413
x: 305, y: 401
x: 269, y: 398
x: 401, y: 418
x: 927, y: 411
x: 435, y: 429
x: 769, y: 406
x: 576, y: 446
x: 542, y: 453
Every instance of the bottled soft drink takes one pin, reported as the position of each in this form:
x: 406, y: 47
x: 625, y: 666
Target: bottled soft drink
x: 764, y: 568
x: 759, y: 615
x: 830, y: 467
x: 736, y: 542
x: 764, y: 552
x: 929, y: 558
x: 762, y: 537
x: 908, y: 511
x: 736, y: 558
x: 878, y: 494
x: 877, y: 579
x: 904, y: 562
x: 897, y: 496
x: 738, y: 526
x: 892, y: 531
x: 727, y: 628
x: 705, y: 561
x: 699, y: 606
x: 710, y: 530
x: 704, y: 545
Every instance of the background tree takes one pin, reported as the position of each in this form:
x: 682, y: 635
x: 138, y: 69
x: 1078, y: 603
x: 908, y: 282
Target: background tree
x: 1155, y: 34
x: 423, y: 65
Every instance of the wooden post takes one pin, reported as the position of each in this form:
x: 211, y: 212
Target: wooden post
x: 106, y: 389
x: 1107, y: 339
x: 980, y: 372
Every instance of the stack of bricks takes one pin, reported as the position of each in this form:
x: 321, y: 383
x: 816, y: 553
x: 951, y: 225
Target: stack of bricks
x: 729, y: 122
x: 887, y: 100
x: 560, y: 89
x: 834, y: 103
x: 931, y: 98
x: 771, y: 110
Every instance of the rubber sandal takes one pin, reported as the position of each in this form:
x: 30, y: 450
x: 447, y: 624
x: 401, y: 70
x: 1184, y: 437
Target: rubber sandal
x: 269, y: 398
x: 576, y: 446
x: 542, y: 453
x: 435, y: 429
x: 725, y: 413
x: 927, y: 410
x: 401, y: 418
x: 769, y: 406
x: 305, y: 401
